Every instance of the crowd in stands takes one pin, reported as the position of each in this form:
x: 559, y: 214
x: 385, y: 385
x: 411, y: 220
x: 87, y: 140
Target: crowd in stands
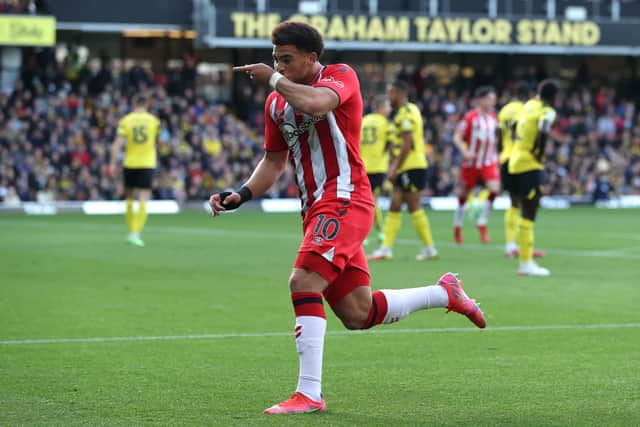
x: 58, y: 123
x: 20, y: 6
x: 595, y: 146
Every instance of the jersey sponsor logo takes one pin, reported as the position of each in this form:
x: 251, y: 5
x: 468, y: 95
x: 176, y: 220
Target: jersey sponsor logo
x: 291, y: 132
x: 330, y: 79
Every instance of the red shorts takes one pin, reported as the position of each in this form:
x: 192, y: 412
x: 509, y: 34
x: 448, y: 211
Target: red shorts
x: 332, y: 245
x: 471, y: 176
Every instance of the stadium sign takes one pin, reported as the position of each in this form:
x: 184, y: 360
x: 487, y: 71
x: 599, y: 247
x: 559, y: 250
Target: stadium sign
x: 21, y: 30
x: 423, y: 33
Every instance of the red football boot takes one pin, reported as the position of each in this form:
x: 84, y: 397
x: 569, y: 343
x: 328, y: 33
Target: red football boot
x: 298, y: 403
x: 484, y: 235
x: 457, y: 235
x: 460, y: 302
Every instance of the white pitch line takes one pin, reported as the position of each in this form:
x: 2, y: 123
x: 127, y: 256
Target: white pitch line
x: 338, y: 333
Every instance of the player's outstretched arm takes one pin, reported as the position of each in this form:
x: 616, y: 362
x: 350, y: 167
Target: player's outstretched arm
x: 315, y: 101
x: 263, y: 177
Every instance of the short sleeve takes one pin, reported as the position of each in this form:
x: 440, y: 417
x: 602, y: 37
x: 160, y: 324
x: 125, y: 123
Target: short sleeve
x: 342, y: 79
x: 405, y: 124
x: 465, y: 126
x: 547, y: 119
x: 273, y: 140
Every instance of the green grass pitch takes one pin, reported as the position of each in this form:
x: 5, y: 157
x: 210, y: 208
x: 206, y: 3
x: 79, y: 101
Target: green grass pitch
x: 563, y: 350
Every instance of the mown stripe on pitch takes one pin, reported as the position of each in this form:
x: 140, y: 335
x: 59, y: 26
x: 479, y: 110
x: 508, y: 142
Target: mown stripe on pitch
x: 334, y: 333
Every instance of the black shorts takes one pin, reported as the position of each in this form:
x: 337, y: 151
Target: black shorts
x: 505, y: 176
x: 527, y: 184
x: 376, y: 180
x: 412, y: 180
x: 138, y: 178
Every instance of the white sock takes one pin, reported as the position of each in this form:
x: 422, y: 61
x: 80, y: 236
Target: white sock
x: 483, y: 219
x: 458, y: 217
x: 402, y: 302
x: 310, y: 332
x: 511, y: 246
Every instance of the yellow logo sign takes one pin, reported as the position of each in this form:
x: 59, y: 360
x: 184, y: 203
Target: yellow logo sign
x: 428, y: 30
x: 18, y: 30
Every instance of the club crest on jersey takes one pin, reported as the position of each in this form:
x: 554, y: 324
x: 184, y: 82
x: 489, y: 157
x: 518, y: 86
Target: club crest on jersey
x: 291, y: 131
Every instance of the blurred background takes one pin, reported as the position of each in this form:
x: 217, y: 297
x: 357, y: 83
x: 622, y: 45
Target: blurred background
x: 70, y: 67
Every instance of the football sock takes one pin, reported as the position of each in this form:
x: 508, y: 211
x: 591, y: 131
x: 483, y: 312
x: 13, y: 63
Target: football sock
x: 378, y: 218
x: 458, y: 218
x: 485, y: 207
x: 525, y: 240
x: 311, y: 325
x: 391, y: 226
x: 510, y: 224
x: 129, y: 216
x: 421, y: 223
x: 378, y: 309
x: 141, y: 216
x: 402, y: 302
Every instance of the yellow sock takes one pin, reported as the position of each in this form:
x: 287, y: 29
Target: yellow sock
x: 525, y: 240
x: 482, y: 196
x: 378, y: 218
x: 421, y: 223
x: 511, y: 216
x: 129, y: 216
x: 141, y: 216
x: 391, y: 226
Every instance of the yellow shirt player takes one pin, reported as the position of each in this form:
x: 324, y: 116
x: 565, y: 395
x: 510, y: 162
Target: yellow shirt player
x: 375, y: 144
x: 138, y: 131
x: 408, y: 173
x: 526, y: 168
x: 507, y: 120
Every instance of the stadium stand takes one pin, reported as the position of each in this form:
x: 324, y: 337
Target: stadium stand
x: 57, y: 125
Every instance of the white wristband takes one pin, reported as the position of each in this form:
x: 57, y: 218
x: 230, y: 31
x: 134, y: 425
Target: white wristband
x: 274, y: 79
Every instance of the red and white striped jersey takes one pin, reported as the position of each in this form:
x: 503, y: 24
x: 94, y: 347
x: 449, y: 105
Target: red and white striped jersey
x: 479, y: 131
x: 323, y: 151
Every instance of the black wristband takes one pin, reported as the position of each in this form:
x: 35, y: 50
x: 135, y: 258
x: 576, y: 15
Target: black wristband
x: 245, y: 194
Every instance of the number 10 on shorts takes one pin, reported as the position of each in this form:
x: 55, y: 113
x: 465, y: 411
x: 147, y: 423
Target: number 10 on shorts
x: 326, y: 228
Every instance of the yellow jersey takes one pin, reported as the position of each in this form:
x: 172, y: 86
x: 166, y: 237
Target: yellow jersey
x: 140, y: 131
x: 507, y: 117
x: 409, y: 119
x: 376, y: 133
x: 524, y: 157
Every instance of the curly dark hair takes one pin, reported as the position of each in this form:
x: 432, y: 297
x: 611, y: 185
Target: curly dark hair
x: 301, y: 35
x: 548, y: 89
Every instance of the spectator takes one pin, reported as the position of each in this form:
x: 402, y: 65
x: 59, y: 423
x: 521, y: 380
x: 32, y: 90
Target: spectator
x: 57, y: 125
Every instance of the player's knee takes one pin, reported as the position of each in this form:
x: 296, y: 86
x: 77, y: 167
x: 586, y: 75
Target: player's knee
x: 305, y: 281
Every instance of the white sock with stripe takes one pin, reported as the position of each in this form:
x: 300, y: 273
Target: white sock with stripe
x: 402, y: 302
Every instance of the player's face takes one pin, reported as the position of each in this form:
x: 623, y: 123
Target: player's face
x: 488, y: 102
x: 295, y: 64
x: 385, y: 109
